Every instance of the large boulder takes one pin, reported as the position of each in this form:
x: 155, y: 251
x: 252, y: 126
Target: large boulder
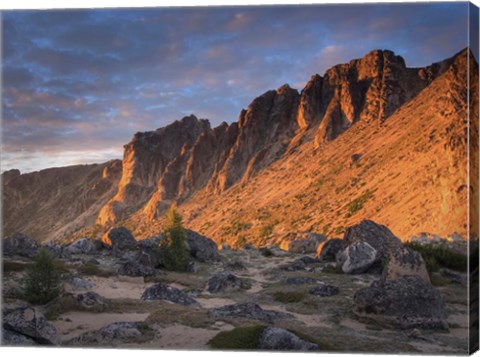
x: 329, y: 249
x: 357, y: 258
x: 117, y: 332
x: 136, y: 269
x: 82, y: 246
x: 10, y: 338
x: 29, y: 322
x: 378, y: 236
x: 21, y: 245
x: 202, y: 248
x: 279, y: 339
x: 59, y: 251
x: 408, y: 302
x: 120, y: 239
x: 247, y: 310
x: 168, y: 293
x: 406, y: 261
x: 302, y: 242
x: 224, y: 281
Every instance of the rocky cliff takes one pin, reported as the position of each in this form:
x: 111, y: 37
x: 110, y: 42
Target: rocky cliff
x: 371, y: 138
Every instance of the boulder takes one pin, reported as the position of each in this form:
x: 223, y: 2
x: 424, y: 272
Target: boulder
x: 202, y: 248
x: 117, y: 332
x: 248, y: 310
x: 358, y: 258
x: 378, y: 236
x: 21, y: 245
x: 92, y: 301
x: 236, y: 265
x: 224, y: 281
x: 300, y: 264
x: 150, y: 258
x: 300, y: 280
x: 279, y: 339
x: 136, y: 269
x: 329, y: 249
x: 150, y: 243
x: 82, y: 246
x: 120, y: 239
x: 57, y: 250
x: 29, y: 322
x: 10, y: 338
x: 169, y: 293
x: 406, y: 261
x: 405, y: 303
x: 303, y: 242
x: 79, y: 283
x: 324, y: 290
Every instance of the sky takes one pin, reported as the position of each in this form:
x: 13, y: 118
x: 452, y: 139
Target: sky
x: 76, y: 85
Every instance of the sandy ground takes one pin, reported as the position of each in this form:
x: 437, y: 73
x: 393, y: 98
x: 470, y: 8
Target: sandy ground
x: 214, y: 302
x: 121, y: 287
x: 73, y: 324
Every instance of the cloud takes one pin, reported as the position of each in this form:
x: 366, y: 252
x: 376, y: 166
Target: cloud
x: 88, y: 79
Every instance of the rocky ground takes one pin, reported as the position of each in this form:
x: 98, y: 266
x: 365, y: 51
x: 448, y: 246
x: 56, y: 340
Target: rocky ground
x: 277, y: 299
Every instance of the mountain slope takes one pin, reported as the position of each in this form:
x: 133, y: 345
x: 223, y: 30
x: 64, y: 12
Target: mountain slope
x: 370, y: 139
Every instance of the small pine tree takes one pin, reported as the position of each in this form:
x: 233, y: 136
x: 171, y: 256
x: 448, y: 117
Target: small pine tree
x: 43, y: 281
x: 173, y: 251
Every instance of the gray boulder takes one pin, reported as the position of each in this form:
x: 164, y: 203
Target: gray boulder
x: 202, y: 248
x: 405, y: 303
x: 300, y: 264
x: 117, y: 332
x: 121, y: 240
x: 150, y: 258
x: 136, y: 269
x: 168, y: 293
x: 224, y: 281
x: 406, y: 261
x: 358, y: 258
x: 21, y: 245
x: 248, y: 310
x: 79, y: 283
x: 10, y: 338
x: 329, y: 249
x: 304, y: 242
x: 279, y: 339
x: 58, y: 251
x: 324, y: 290
x: 378, y: 236
x: 92, y: 301
x: 31, y: 323
x: 82, y: 246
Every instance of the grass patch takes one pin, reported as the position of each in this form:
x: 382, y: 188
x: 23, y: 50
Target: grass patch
x: 358, y: 203
x: 333, y: 270
x: 240, y: 338
x: 92, y: 269
x: 288, y: 297
x: 168, y: 314
x: 9, y: 266
x: 437, y: 256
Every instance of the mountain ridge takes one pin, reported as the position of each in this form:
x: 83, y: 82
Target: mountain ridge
x: 180, y: 162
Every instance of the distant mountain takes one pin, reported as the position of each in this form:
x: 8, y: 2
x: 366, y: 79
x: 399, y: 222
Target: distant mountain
x: 369, y: 139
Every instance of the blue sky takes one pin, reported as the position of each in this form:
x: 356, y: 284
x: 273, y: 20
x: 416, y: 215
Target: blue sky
x: 78, y: 84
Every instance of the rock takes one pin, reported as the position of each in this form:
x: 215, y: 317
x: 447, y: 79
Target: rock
x: 355, y: 158
x: 10, y: 338
x: 92, y: 300
x: 136, y: 269
x: 456, y: 278
x: 406, y: 261
x: 236, y: 265
x: 276, y: 250
x: 358, y: 258
x: 149, y: 258
x: 20, y: 244
x: 279, y: 339
x: 405, y: 303
x: 300, y: 280
x: 248, y: 310
x: 150, y: 243
x: 124, y: 332
x: 79, y: 283
x: 169, y: 293
x: 57, y: 250
x: 202, y: 248
x: 12, y: 289
x: 378, y: 236
x: 82, y: 246
x: 248, y: 246
x: 329, y: 249
x: 225, y: 247
x: 120, y: 239
x: 324, y: 290
x: 31, y: 323
x: 300, y: 264
x: 224, y: 281
x: 302, y: 242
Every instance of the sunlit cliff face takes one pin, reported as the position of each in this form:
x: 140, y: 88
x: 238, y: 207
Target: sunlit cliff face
x: 78, y: 84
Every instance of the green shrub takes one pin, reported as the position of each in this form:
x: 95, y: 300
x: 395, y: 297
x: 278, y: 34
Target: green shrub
x: 358, y: 203
x: 266, y: 252
x: 43, y: 281
x: 437, y: 256
x: 173, y: 252
x: 240, y: 338
x: 288, y: 297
